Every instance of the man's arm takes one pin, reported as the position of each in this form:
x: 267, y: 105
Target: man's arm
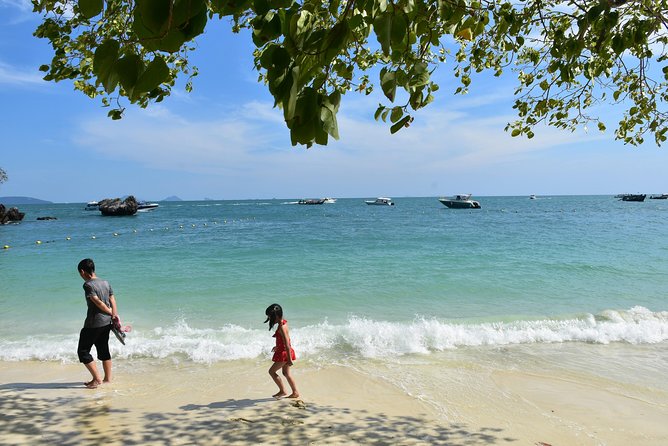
x: 112, y: 301
x: 102, y: 306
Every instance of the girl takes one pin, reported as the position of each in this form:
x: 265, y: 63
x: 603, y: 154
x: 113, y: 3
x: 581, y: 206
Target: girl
x: 282, y: 359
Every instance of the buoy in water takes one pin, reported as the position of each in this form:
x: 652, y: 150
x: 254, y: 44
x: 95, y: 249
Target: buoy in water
x: 5, y: 247
x: 38, y: 242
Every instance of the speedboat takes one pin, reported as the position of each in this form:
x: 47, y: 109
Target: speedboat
x: 460, y: 201
x: 380, y: 201
x: 329, y: 200
x: 92, y: 206
x: 312, y: 201
x: 145, y: 206
x: 659, y: 197
x: 532, y: 197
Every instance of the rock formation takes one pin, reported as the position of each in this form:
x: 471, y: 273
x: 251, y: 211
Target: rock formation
x: 116, y: 207
x: 10, y: 215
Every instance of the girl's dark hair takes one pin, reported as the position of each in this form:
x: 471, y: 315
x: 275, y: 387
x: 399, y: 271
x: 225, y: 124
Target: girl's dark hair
x: 87, y: 266
x: 274, y: 314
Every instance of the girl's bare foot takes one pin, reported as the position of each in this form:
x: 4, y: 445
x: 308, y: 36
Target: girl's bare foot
x: 92, y: 384
x: 293, y: 395
x: 279, y: 395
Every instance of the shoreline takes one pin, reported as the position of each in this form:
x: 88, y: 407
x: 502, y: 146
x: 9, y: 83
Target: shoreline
x: 166, y: 402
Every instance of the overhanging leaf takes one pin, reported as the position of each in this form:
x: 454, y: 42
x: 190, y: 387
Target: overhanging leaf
x: 156, y: 73
x: 90, y: 8
x: 104, y: 62
x: 129, y: 69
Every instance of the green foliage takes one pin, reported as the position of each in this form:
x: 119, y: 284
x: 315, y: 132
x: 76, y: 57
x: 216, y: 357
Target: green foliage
x: 570, y: 59
x: 3, y: 175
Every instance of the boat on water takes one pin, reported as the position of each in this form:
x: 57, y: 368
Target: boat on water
x: 659, y: 197
x: 329, y: 200
x: 311, y: 201
x: 632, y: 197
x: 92, y: 206
x: 145, y: 206
x: 380, y: 201
x: 460, y: 201
x: 532, y: 197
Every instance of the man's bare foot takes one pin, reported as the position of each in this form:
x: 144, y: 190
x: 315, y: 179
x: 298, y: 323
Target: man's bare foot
x: 92, y: 384
x: 293, y: 395
x: 279, y: 395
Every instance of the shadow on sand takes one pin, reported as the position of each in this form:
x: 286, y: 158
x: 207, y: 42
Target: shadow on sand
x: 86, y: 418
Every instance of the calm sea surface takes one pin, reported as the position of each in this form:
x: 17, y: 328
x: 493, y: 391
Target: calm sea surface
x: 416, y: 280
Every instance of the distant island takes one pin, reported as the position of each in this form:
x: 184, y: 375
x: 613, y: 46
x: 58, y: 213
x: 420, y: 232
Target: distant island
x: 172, y: 198
x: 23, y: 200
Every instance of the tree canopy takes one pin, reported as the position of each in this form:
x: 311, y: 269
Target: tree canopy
x: 570, y: 58
x: 3, y: 175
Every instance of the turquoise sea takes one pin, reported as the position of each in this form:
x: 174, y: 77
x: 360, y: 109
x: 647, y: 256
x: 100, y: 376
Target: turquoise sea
x: 358, y: 283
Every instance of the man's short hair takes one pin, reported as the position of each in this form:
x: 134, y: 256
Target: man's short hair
x: 87, y: 266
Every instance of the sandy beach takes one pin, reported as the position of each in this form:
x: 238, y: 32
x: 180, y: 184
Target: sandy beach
x: 166, y: 403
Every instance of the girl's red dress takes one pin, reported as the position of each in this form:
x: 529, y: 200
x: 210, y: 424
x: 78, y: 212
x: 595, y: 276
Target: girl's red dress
x: 280, y: 354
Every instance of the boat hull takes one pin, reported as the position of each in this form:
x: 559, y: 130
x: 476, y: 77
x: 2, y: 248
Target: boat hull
x: 455, y: 204
x: 373, y: 203
x: 633, y: 197
x: 380, y: 201
x: 311, y: 201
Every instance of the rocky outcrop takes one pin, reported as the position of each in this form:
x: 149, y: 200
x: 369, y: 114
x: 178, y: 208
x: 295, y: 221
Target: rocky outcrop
x: 118, y: 207
x: 10, y: 215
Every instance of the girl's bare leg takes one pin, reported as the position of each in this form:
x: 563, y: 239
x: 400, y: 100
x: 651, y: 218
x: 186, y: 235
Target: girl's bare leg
x: 275, y: 367
x: 291, y: 381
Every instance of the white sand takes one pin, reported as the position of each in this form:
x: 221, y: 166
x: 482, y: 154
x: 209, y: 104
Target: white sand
x: 229, y: 403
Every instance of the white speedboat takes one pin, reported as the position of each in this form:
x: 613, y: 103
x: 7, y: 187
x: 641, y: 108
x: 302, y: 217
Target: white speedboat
x: 532, y: 197
x: 460, y: 201
x: 329, y: 200
x: 92, y: 206
x: 380, y: 201
x: 145, y: 206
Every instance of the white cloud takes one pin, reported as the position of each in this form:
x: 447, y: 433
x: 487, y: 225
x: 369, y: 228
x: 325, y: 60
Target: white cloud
x: 250, y: 150
x: 10, y: 75
x: 21, y: 5
x: 20, y: 11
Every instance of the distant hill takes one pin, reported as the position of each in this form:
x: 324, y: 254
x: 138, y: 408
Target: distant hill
x: 22, y: 200
x: 172, y: 198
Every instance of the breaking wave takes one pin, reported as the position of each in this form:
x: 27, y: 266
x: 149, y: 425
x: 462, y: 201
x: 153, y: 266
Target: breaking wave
x: 358, y: 337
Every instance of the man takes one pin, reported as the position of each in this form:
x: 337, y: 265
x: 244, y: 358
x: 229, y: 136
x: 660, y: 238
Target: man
x: 101, y: 310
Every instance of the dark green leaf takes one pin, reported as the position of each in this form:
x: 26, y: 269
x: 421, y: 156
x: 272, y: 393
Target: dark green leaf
x: 90, y: 8
x: 400, y: 124
x: 156, y: 73
x: 383, y: 29
x: 388, y: 83
x: 153, y: 15
x: 104, y: 62
x: 129, y: 68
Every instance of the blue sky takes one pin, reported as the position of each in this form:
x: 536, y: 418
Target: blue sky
x: 225, y: 141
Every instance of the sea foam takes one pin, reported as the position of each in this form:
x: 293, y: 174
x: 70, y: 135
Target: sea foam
x: 358, y: 337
